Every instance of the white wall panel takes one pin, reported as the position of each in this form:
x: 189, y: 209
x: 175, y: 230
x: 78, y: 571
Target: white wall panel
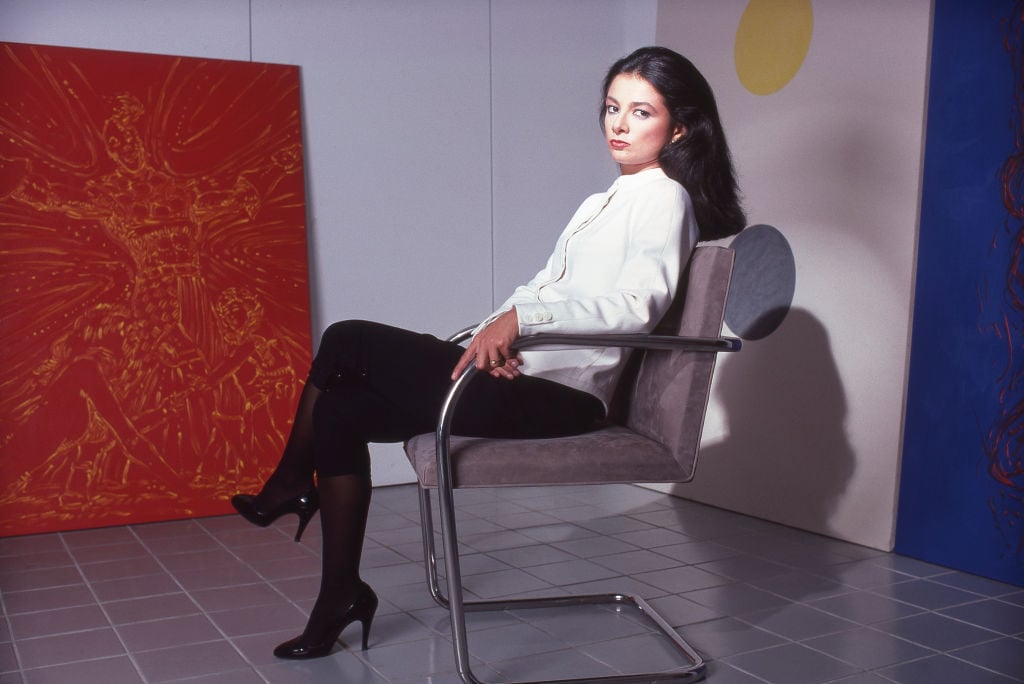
x: 549, y: 152
x: 189, y: 28
x: 397, y: 123
x: 806, y: 424
x: 398, y: 154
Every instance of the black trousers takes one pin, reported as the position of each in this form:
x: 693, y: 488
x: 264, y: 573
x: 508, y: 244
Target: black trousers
x: 384, y: 384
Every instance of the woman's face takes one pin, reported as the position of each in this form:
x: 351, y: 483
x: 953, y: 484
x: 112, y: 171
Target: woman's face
x: 637, y: 123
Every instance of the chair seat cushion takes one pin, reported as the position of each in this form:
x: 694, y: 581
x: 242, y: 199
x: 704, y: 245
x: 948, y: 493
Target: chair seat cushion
x: 611, y: 454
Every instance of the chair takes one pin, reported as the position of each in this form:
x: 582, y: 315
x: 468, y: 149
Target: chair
x: 655, y: 439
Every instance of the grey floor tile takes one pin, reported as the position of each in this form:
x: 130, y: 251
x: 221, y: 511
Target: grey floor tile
x: 567, y: 573
x: 59, y: 621
x: 721, y: 672
x: 697, y: 552
x: 791, y: 664
x: 28, y: 579
x: 192, y: 660
x: 743, y: 568
x: 9, y: 667
x: 993, y: 614
x: 975, y: 584
x: 637, y: 654
x: 593, y: 547
x: 1005, y: 656
x: 869, y: 648
x: 117, y: 669
x: 864, y: 607
x: 560, y: 532
x: 942, y: 669
x: 653, y: 538
x: 242, y: 620
x: 864, y: 678
x: 632, y: 562
x: 864, y: 574
x: 537, y: 554
x: 683, y: 579
x: 800, y: 585
x: 552, y: 666
x: 512, y: 582
x: 728, y: 636
x: 615, y: 525
x: 340, y: 666
x: 67, y: 648
x: 936, y: 631
x: 926, y: 594
x: 736, y: 599
x: 761, y: 601
x: 168, y: 632
x: 679, y: 611
x: 225, y: 598
x: 576, y: 625
x: 46, y: 599
x: 909, y: 566
x: 797, y: 622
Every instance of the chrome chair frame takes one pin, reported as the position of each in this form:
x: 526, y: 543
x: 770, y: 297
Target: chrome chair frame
x: 455, y: 602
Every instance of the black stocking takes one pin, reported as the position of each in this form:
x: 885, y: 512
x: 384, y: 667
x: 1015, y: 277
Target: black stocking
x: 344, y: 505
x: 294, y: 473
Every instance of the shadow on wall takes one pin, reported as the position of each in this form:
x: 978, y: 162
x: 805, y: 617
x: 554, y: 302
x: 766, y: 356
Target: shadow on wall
x: 786, y: 456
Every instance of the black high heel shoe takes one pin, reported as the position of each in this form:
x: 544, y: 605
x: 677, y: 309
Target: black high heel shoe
x: 362, y: 609
x: 305, y: 506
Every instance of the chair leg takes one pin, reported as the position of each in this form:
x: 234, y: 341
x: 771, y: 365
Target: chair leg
x: 429, y: 550
x: 457, y: 607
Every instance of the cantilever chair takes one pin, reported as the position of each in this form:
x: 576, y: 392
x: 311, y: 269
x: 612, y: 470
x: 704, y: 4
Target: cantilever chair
x: 663, y: 402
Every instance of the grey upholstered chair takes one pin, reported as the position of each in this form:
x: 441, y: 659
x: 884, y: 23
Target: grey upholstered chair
x: 663, y: 402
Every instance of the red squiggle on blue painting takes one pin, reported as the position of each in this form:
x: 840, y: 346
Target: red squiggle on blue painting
x: 1005, y: 439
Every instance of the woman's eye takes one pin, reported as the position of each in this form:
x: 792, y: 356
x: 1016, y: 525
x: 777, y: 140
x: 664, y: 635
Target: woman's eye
x: 611, y: 109
x: 641, y: 114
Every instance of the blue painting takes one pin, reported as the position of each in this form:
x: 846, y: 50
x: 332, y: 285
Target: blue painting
x: 961, y: 499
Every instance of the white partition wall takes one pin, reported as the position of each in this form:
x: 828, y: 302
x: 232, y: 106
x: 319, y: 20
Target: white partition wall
x: 806, y: 424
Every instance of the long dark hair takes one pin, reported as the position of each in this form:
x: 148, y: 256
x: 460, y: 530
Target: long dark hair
x: 700, y: 159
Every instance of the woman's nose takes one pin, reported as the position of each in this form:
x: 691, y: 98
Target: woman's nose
x: 619, y: 124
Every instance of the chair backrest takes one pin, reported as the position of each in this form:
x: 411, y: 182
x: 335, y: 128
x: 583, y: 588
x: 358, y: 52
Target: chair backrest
x: 670, y: 394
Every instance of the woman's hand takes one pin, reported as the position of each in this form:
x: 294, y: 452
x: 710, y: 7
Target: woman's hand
x: 491, y: 350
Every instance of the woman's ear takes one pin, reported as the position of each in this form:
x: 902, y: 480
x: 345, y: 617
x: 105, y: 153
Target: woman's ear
x: 678, y: 133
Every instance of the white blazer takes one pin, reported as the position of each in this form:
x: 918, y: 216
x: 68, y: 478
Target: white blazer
x: 615, y: 269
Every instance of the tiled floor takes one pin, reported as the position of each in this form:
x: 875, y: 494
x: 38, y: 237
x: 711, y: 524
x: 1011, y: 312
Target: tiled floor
x: 206, y: 600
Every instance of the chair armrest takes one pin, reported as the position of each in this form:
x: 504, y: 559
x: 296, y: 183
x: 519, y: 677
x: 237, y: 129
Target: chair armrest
x: 636, y: 341
x: 462, y: 334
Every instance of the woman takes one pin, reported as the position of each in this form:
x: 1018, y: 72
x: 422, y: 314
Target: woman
x: 614, y: 270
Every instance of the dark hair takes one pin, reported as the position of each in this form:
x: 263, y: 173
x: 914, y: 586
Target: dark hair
x: 700, y: 159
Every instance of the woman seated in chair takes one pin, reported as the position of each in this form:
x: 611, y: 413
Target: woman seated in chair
x: 614, y: 270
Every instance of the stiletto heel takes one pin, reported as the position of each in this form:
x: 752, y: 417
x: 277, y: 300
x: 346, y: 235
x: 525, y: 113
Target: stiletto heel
x: 366, y: 622
x: 362, y: 610
x: 305, y: 506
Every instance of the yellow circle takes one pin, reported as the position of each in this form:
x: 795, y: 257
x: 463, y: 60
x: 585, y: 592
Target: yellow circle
x: 771, y: 43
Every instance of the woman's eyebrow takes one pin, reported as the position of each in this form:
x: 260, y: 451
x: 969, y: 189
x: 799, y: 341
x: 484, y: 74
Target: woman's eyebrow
x: 631, y: 104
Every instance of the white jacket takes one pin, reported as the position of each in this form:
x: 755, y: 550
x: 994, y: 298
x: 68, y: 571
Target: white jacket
x: 615, y: 269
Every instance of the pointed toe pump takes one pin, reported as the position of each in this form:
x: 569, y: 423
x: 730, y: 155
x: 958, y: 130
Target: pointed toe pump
x: 305, y: 506
x: 305, y: 647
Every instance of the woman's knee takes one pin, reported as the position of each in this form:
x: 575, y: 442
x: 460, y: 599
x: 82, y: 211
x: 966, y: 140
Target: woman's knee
x: 343, y: 332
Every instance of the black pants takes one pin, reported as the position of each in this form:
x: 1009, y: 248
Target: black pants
x: 385, y: 384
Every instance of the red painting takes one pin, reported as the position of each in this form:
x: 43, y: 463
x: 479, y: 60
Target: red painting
x: 154, y: 298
